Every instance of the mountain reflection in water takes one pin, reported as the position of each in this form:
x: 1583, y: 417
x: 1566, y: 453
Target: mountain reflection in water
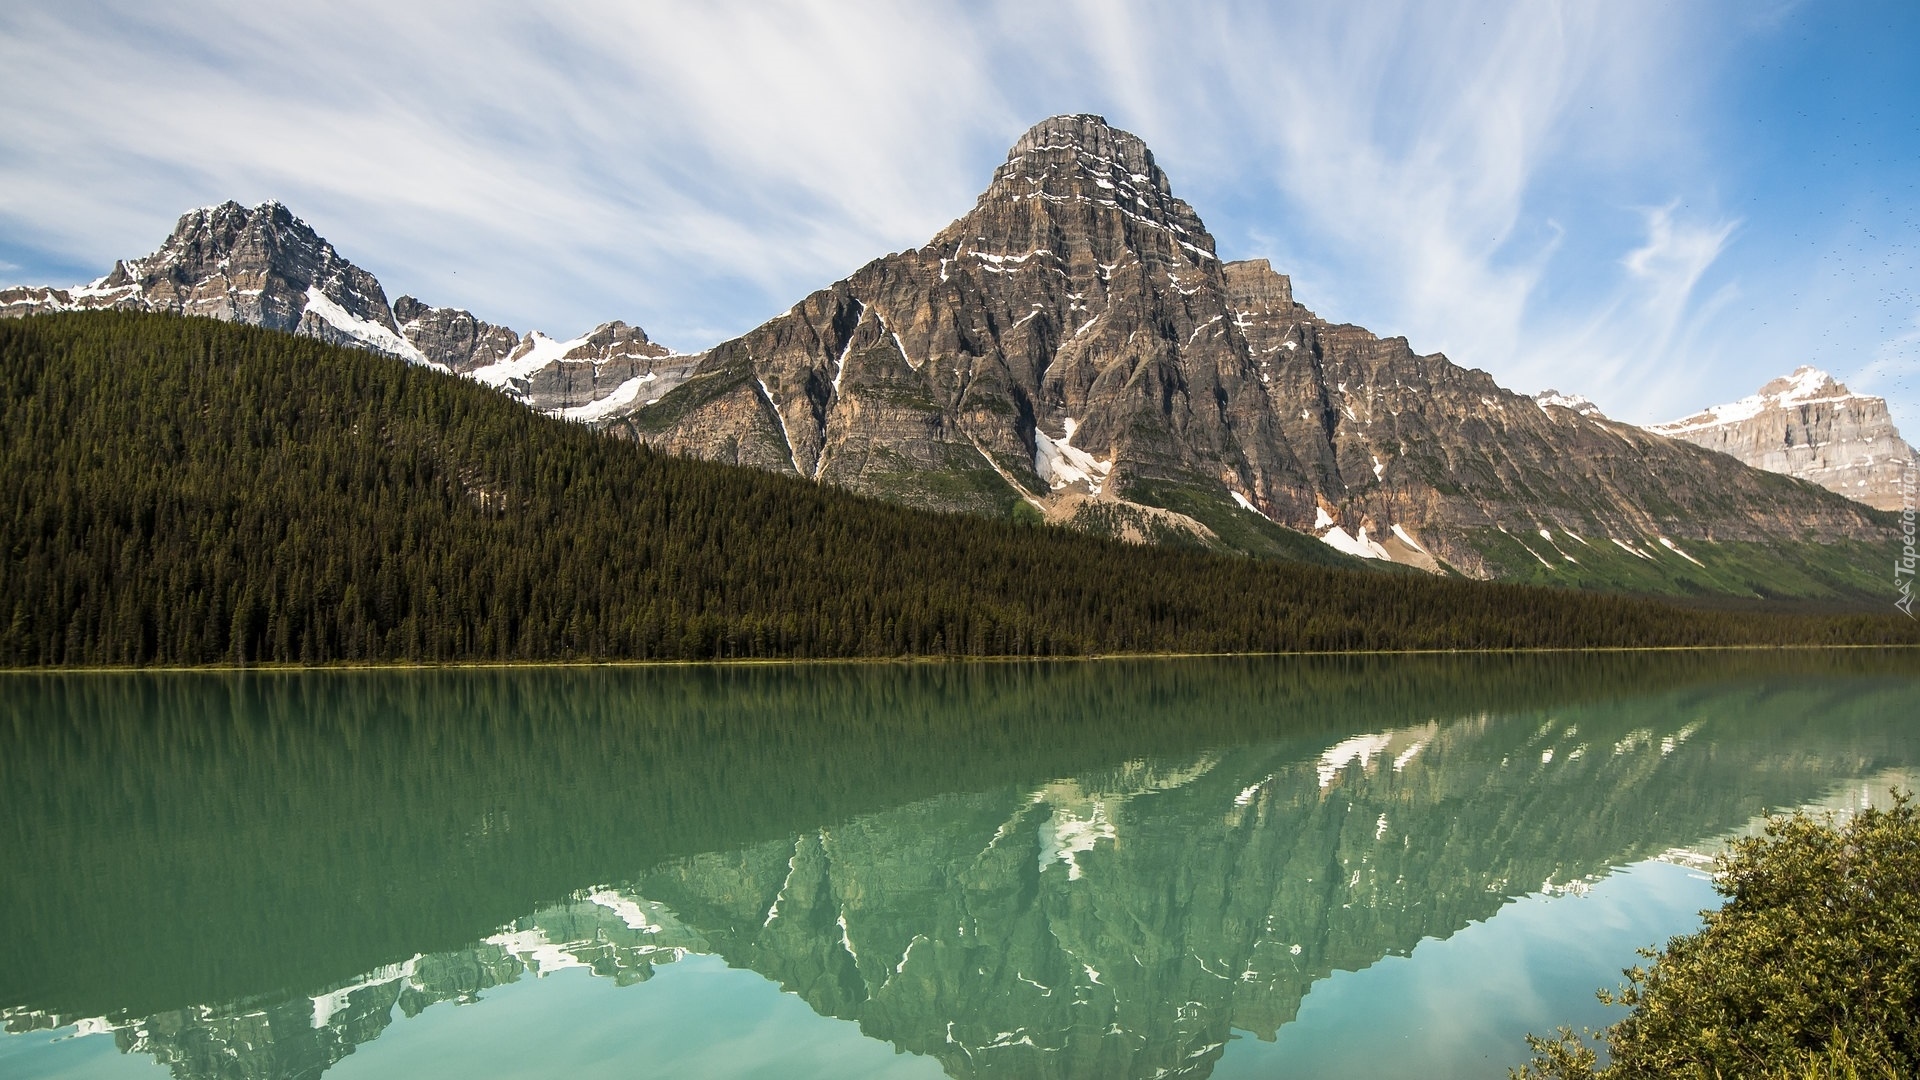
x: 1080, y: 869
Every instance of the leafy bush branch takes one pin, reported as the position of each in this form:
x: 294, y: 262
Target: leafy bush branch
x: 1811, y: 969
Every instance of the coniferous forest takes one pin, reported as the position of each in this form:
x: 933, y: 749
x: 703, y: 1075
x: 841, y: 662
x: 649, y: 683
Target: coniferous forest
x: 184, y: 491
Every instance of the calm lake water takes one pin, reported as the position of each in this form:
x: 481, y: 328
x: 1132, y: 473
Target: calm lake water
x: 1275, y: 868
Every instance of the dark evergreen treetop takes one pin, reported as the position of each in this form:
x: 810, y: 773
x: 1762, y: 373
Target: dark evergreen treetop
x: 183, y: 491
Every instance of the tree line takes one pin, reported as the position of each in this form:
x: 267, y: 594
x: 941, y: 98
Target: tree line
x: 185, y: 491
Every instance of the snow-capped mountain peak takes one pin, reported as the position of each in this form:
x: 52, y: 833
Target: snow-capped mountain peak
x: 1580, y: 405
x: 265, y: 266
x: 1809, y: 425
x: 1807, y: 385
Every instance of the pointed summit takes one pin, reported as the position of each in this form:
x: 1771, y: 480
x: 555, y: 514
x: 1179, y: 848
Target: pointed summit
x: 1075, y: 183
x: 1072, y: 346
x: 1807, y: 383
x: 261, y: 266
x: 1068, y: 342
x: 1089, y: 143
x: 265, y: 266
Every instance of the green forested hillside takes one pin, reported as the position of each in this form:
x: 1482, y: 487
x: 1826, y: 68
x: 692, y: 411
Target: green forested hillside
x: 182, y: 491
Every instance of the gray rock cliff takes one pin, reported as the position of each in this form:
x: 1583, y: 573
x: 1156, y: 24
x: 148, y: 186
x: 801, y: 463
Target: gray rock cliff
x: 1074, y: 348
x: 453, y: 337
x: 262, y: 266
x: 1075, y: 343
x: 1808, y: 425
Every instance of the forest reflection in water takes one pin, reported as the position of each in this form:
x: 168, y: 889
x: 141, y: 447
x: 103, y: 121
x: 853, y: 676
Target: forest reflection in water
x: 1071, y: 869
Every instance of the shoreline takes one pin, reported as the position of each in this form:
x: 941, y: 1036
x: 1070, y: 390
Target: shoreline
x: 502, y: 665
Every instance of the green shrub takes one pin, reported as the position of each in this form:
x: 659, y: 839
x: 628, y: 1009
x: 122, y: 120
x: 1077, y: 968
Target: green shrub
x: 1811, y: 969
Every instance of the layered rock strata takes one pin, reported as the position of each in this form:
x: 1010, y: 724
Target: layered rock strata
x: 1810, y: 426
x: 1074, y: 342
x: 1075, y: 346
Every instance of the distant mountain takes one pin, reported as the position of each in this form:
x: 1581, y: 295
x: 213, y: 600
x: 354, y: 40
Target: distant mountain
x: 262, y: 266
x: 1809, y: 425
x: 265, y: 267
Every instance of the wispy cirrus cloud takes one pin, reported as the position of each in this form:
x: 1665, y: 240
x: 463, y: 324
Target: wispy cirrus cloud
x: 617, y: 159
x: 1466, y: 175
x: 1474, y: 176
x: 1653, y: 314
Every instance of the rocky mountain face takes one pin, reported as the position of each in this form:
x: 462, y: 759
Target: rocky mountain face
x: 261, y: 266
x: 609, y: 367
x: 453, y: 337
x: 266, y: 267
x: 1810, y: 426
x: 1074, y: 343
x: 1073, y: 348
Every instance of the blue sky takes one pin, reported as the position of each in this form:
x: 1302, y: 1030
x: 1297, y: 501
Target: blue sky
x: 1658, y: 205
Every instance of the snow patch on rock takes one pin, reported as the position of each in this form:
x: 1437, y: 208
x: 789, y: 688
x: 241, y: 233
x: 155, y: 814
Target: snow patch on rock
x: 369, y: 334
x: 1060, y: 464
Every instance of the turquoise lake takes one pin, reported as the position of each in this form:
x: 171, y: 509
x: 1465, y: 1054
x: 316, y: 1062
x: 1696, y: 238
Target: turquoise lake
x: 1275, y: 867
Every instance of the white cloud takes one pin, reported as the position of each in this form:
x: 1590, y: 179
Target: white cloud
x: 614, y: 160
x: 1464, y: 174
x: 1676, y: 254
x: 1654, y: 318
x: 1410, y: 163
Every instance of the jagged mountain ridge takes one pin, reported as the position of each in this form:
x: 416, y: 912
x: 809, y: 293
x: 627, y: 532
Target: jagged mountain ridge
x: 1074, y: 345
x: 1074, y: 342
x: 266, y: 267
x: 261, y: 266
x: 1809, y: 425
